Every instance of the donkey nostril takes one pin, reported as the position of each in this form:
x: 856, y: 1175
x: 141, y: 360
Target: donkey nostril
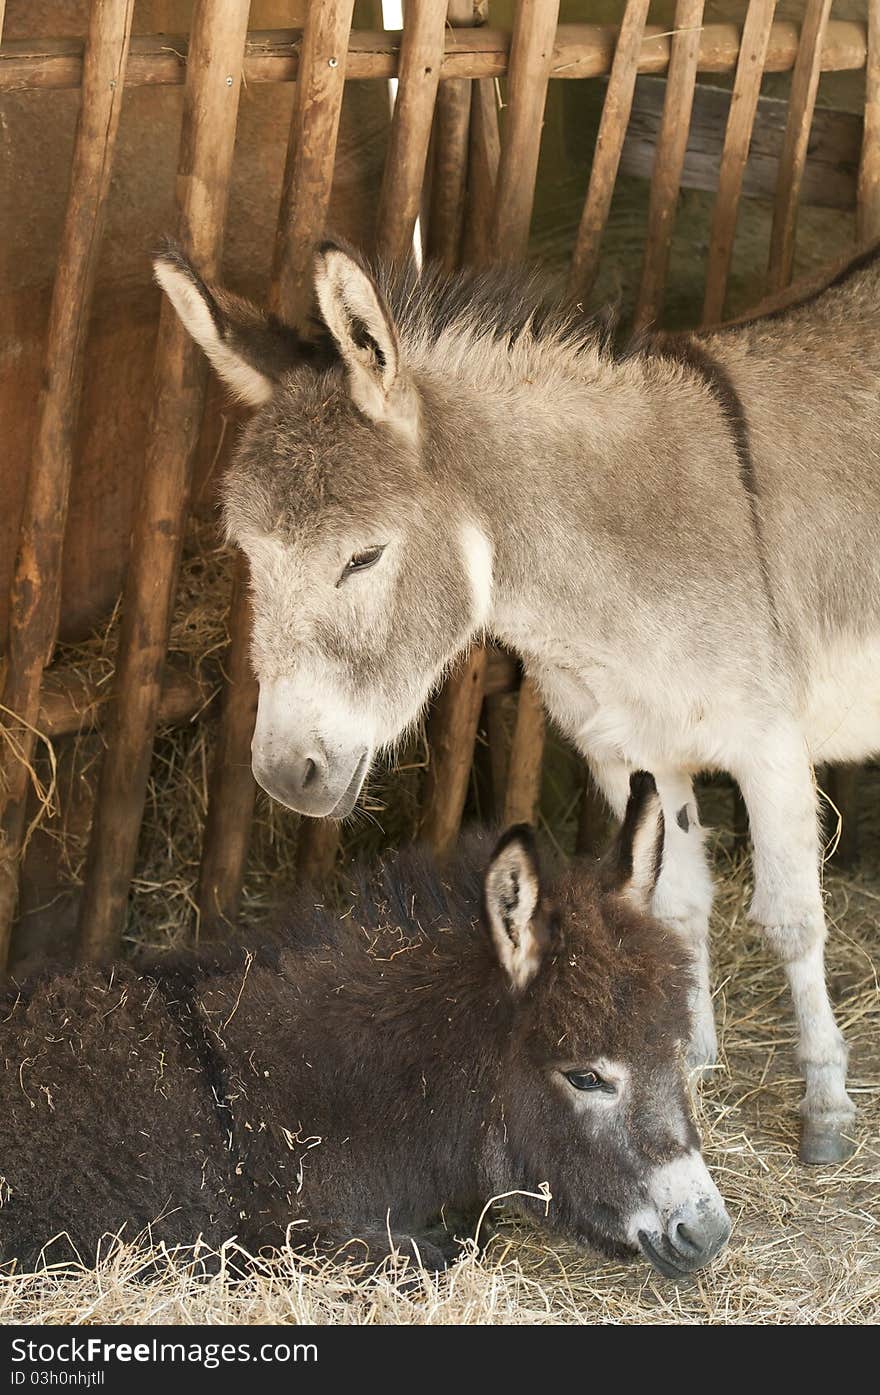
x: 685, y: 1239
x: 310, y: 770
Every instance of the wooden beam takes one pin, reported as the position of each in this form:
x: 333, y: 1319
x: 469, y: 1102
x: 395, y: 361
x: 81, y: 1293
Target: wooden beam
x: 669, y: 160
x: 579, y: 51
x: 72, y: 705
x: 207, y: 139
x: 35, y: 597
x: 830, y: 173
x: 802, y: 99
x: 737, y: 140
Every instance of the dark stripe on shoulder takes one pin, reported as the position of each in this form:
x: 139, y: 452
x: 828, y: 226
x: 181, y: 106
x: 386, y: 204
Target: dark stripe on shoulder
x: 687, y: 350
x: 859, y: 263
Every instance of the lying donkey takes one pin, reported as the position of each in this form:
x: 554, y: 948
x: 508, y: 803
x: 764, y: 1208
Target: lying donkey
x: 364, y: 1074
x: 683, y: 541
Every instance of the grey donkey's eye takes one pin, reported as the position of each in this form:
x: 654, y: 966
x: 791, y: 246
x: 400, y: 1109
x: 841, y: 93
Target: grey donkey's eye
x: 361, y: 562
x: 587, y: 1080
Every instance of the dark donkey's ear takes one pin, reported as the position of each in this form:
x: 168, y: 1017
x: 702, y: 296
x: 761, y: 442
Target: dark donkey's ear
x: 632, y: 864
x: 358, y: 317
x: 518, y: 922
x: 251, y: 351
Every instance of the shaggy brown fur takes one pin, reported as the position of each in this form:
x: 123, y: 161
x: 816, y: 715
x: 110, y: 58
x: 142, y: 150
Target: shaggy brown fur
x: 355, y: 1075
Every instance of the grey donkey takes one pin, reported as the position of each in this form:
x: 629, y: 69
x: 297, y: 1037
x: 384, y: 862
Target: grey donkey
x: 682, y: 540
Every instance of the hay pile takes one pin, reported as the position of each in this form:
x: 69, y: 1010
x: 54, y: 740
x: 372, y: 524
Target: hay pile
x: 805, y: 1247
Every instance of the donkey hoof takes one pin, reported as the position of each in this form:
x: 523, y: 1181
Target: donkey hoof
x: 702, y: 1054
x: 824, y: 1143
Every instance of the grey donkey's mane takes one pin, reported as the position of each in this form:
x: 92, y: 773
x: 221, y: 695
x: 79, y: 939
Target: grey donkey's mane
x: 503, y: 302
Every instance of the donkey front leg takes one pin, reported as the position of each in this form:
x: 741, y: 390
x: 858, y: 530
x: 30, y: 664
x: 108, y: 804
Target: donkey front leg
x: 777, y: 785
x: 683, y: 897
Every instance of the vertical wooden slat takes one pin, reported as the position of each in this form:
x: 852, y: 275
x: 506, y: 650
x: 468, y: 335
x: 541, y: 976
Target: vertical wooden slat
x: 421, y: 54
x: 609, y: 144
x: 311, y: 155
x: 737, y: 139
x: 669, y: 159
x: 868, y: 222
x: 305, y: 199
x: 531, y: 53
x: 36, y: 585
x: 452, y: 120
x: 454, y: 725
x: 802, y: 100
x: 232, y: 789
x: 213, y: 82
x: 452, y: 733
x: 484, y: 157
x: 526, y: 756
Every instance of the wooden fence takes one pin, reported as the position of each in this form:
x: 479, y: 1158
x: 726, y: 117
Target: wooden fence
x: 445, y: 132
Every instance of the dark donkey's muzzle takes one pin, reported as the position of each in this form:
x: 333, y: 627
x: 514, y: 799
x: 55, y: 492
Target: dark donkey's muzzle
x: 687, y: 1244
x: 683, y: 1223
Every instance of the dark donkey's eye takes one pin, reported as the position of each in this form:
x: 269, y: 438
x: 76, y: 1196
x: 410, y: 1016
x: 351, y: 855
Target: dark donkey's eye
x: 361, y: 562
x: 586, y: 1080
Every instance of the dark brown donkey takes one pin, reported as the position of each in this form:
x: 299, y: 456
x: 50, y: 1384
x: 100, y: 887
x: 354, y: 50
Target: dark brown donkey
x: 366, y: 1074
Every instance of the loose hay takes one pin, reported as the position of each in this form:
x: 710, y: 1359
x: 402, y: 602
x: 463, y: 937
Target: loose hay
x: 805, y: 1246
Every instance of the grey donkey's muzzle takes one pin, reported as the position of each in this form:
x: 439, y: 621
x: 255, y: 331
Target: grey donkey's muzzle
x: 309, y: 781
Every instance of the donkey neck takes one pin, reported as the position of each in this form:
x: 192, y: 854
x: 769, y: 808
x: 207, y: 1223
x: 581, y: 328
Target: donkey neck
x: 541, y: 451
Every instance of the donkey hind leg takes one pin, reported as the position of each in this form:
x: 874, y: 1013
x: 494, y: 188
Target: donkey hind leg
x: 683, y: 896
x: 777, y: 786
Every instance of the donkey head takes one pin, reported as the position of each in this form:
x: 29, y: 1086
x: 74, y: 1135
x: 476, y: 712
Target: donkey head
x: 591, y: 1096
x: 367, y: 574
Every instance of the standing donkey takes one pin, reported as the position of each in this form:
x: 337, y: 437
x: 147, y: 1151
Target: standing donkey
x: 682, y: 541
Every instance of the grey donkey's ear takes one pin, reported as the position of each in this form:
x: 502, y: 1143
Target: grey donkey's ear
x: 250, y: 351
x: 357, y: 316
x: 632, y: 865
x: 515, y: 914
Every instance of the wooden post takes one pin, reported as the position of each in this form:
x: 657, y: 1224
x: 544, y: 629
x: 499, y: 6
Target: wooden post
x: 669, y: 159
x: 210, y: 112
x: 804, y: 85
x: 421, y: 55
x: 452, y: 735
x: 868, y: 224
x: 531, y: 52
x: 231, y: 791
x: 606, y: 156
x: 531, y: 57
x: 36, y: 585
x: 452, y: 120
x: 456, y: 715
x: 484, y: 157
x: 308, y: 178
x: 737, y: 138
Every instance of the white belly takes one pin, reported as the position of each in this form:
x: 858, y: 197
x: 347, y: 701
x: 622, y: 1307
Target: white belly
x: 841, y: 717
